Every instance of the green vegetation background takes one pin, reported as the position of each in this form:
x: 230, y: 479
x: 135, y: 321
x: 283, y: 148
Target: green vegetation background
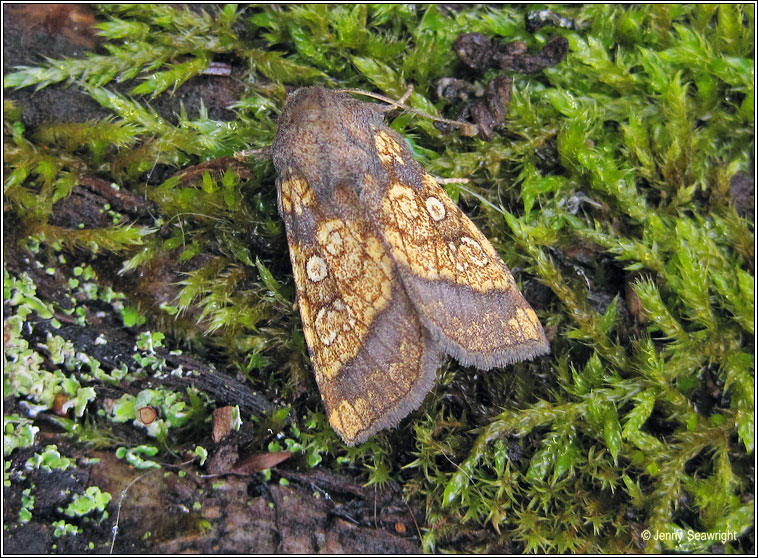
x: 610, y: 192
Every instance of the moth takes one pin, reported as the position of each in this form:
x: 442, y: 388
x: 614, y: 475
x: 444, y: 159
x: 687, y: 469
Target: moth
x: 391, y: 276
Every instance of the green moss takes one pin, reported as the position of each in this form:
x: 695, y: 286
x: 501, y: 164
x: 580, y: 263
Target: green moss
x: 608, y: 192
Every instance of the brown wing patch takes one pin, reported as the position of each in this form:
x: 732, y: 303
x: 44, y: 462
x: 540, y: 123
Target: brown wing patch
x: 371, y: 394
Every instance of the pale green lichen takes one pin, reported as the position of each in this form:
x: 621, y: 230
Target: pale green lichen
x: 92, y: 502
x: 50, y: 458
x: 63, y: 529
x: 18, y: 432
x: 134, y: 456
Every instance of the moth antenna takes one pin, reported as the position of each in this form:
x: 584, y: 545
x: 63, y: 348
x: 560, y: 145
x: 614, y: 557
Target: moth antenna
x: 261, y: 153
x: 453, y: 180
x: 482, y: 199
x: 467, y: 128
x: 406, y: 95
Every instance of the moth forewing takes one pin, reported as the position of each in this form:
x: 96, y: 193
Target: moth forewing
x: 464, y: 293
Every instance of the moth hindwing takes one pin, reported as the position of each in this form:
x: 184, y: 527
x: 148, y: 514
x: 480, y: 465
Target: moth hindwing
x: 390, y: 274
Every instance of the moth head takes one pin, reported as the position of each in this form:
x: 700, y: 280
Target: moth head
x: 305, y: 104
x: 322, y: 134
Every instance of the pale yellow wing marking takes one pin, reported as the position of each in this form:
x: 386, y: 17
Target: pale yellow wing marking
x: 430, y: 235
x: 344, y: 280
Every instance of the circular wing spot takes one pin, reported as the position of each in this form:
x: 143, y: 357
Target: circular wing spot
x: 334, y: 243
x: 326, y: 326
x: 435, y: 208
x: 330, y: 237
x: 316, y: 268
x: 473, y: 251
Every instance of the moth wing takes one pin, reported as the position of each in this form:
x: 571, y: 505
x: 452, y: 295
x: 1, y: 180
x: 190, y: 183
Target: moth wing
x: 464, y: 293
x: 373, y: 360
